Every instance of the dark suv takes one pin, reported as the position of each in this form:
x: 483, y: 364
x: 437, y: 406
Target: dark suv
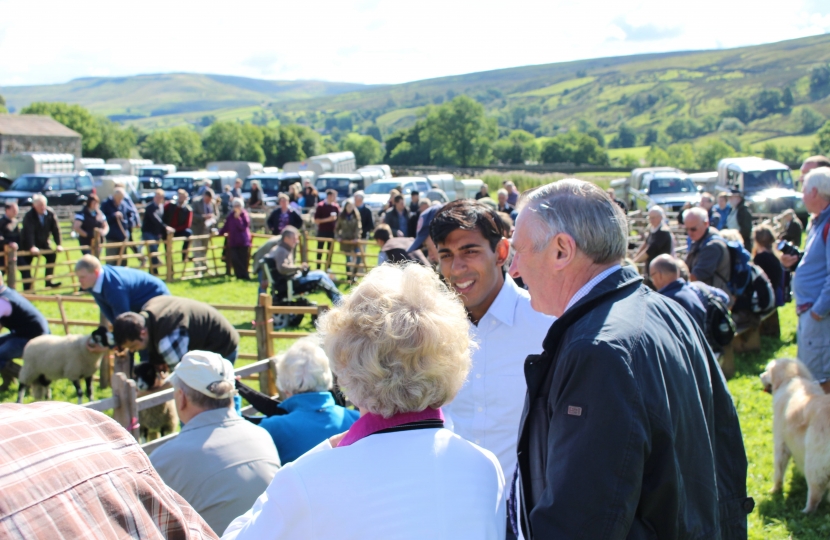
x: 60, y: 189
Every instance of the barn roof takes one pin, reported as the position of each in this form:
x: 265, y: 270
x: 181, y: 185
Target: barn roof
x: 34, y: 125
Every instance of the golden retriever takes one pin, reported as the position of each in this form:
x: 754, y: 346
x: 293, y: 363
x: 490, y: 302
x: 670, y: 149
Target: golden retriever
x: 800, y: 426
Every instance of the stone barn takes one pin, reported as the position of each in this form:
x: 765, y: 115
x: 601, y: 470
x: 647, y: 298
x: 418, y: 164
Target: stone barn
x: 33, y: 133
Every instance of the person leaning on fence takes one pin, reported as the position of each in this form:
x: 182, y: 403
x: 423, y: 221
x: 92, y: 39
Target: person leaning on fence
x: 219, y: 462
x: 9, y: 231
x: 90, y: 223
x: 24, y: 322
x: 325, y: 217
x: 39, y: 223
x: 116, y: 289
x: 283, y: 216
x: 310, y: 414
x: 630, y: 431
x: 72, y: 472
x: 179, y: 216
x: 238, y: 228
x: 400, y: 348
x: 665, y: 275
x: 347, y: 230
x: 708, y: 258
x: 119, y: 218
x: 204, y: 219
x: 811, y: 281
x: 154, y: 229
x: 281, y: 260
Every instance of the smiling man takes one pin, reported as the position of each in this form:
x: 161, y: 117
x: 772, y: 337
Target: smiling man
x: 472, y: 250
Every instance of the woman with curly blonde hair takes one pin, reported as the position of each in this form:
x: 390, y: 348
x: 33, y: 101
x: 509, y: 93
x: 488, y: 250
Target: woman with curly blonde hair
x: 400, y: 348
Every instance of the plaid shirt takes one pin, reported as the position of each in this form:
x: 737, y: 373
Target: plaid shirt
x: 70, y: 472
x: 174, y: 346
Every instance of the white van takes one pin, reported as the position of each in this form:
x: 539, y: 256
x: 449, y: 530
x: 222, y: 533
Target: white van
x: 130, y: 166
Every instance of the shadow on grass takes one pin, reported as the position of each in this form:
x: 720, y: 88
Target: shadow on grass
x: 785, y: 508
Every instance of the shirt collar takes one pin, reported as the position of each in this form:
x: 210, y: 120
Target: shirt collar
x: 583, y: 292
x: 370, y: 423
x: 503, y: 307
x: 99, y: 282
x: 310, y: 401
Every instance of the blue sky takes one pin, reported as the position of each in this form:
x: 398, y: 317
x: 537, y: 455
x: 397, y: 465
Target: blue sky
x: 369, y: 41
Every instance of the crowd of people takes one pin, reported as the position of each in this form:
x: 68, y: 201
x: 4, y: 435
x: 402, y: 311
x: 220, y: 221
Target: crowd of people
x: 509, y: 373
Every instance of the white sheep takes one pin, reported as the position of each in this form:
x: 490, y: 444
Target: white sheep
x: 49, y: 358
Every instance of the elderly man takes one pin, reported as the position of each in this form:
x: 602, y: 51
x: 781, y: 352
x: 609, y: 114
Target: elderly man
x: 740, y: 218
x: 665, y: 275
x: 179, y: 217
x: 117, y: 289
x: 366, y: 219
x: 281, y: 261
x: 9, y: 231
x: 204, y: 219
x: 168, y: 327
x: 38, y: 224
x: 708, y: 258
x: 659, y: 239
x: 472, y: 250
x: 512, y: 193
x: 220, y: 463
x: 304, y: 380
x: 811, y: 282
x: 154, y: 228
x: 813, y: 162
x: 503, y: 205
x: 119, y: 218
x: 628, y: 429
x: 105, y: 486
x: 23, y: 322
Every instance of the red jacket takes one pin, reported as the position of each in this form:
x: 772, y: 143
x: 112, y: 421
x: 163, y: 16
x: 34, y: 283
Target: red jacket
x: 178, y: 217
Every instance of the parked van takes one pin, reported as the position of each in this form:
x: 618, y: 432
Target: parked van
x: 385, y: 169
x: 87, y: 161
x: 16, y: 165
x: 243, y: 169
x: 192, y: 182
x: 149, y: 179
x: 271, y: 184
x: 344, y: 184
x: 448, y: 184
x: 130, y: 166
x: 766, y: 185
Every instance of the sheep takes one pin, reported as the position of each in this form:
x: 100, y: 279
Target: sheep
x: 161, y: 419
x: 48, y: 358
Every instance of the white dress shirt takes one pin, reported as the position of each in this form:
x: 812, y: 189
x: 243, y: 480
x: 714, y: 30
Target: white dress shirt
x: 488, y: 408
x: 424, y: 483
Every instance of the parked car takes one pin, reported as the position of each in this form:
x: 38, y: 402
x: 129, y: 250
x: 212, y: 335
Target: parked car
x: 149, y: 179
x: 271, y: 184
x: 634, y: 189
x: 344, y: 184
x: 766, y: 185
x: 60, y: 189
x: 377, y: 194
x: 192, y: 181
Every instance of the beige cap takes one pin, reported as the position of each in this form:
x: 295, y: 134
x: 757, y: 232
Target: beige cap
x: 200, y: 370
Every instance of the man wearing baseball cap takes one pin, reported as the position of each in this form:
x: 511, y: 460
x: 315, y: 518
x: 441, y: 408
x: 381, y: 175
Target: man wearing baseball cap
x: 220, y: 463
x: 422, y: 236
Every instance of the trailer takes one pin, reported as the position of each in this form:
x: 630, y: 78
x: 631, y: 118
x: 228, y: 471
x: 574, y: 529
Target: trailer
x: 130, y: 166
x: 243, y: 169
x: 15, y: 165
x: 336, y: 162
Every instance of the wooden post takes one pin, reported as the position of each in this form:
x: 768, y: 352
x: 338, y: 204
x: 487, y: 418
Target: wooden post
x: 168, y: 256
x: 126, y: 413
x: 11, y: 267
x: 105, y: 373
x: 329, y: 256
x: 63, y: 316
x: 121, y: 363
x: 72, y: 275
x: 212, y: 249
x: 262, y: 325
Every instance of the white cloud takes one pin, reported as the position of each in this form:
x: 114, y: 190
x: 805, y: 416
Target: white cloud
x: 370, y: 41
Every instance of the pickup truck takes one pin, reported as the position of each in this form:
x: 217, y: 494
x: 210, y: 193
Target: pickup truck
x: 767, y: 185
x: 664, y: 186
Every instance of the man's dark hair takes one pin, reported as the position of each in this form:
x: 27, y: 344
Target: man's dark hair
x: 398, y: 198
x: 331, y: 192
x: 382, y: 234
x: 210, y: 192
x: 468, y: 215
x: 127, y: 327
x: 415, y: 192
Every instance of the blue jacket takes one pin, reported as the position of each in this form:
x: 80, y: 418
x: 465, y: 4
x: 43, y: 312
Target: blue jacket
x: 311, y: 419
x: 811, y: 283
x: 629, y: 430
x: 126, y: 289
x: 128, y: 218
x: 680, y: 292
x: 724, y: 215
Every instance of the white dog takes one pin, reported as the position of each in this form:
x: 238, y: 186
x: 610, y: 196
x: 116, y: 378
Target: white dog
x: 800, y: 426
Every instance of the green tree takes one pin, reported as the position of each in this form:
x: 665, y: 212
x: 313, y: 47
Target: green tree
x: 517, y: 148
x: 820, y: 82
x: 652, y: 137
x: 768, y: 102
x: 414, y: 149
x: 231, y: 141
x: 309, y: 139
x: 810, y: 119
x: 629, y: 161
x: 289, y: 147
x: 823, y: 143
x: 787, y: 98
x: 741, y: 109
x: 657, y: 157
x: 574, y: 147
x: 791, y: 155
x: 180, y: 146
x: 683, y: 128
x: 626, y: 137
x: 116, y: 142
x: 365, y: 148
x: 459, y: 133
x: 188, y: 144
x: 770, y: 151
x: 682, y: 156
x: 712, y: 152
x: 3, y: 105
x: 74, y: 117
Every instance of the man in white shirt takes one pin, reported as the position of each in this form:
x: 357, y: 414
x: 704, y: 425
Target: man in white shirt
x: 472, y: 250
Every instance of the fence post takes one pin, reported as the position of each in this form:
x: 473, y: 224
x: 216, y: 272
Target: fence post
x: 126, y: 413
x: 63, y: 315
x: 11, y: 267
x: 168, y: 256
x: 330, y: 255
x: 265, y: 347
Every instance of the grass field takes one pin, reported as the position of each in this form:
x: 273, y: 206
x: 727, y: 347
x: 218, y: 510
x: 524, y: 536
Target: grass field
x: 775, y: 516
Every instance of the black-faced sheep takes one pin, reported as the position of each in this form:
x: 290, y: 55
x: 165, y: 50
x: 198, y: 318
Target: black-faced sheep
x: 161, y: 419
x: 49, y: 358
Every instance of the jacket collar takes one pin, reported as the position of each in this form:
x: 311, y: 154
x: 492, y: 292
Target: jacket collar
x: 620, y: 279
x: 310, y: 401
x: 672, y: 287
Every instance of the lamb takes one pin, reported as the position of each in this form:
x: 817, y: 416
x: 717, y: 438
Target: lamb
x: 161, y: 419
x: 48, y: 358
